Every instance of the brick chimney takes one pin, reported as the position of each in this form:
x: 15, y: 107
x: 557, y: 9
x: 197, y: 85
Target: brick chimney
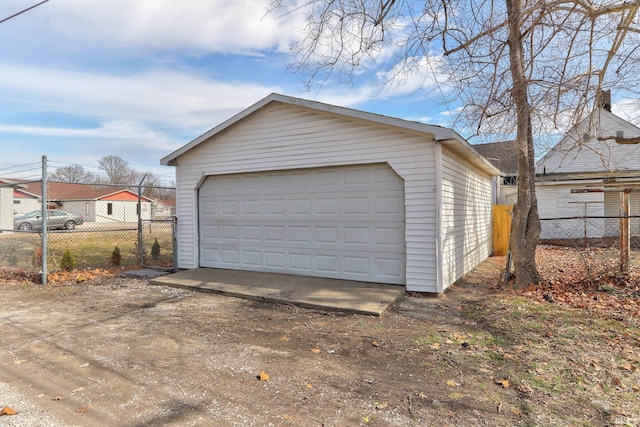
x: 605, y: 100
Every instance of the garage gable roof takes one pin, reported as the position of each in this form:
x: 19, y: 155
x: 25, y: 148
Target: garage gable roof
x: 440, y: 134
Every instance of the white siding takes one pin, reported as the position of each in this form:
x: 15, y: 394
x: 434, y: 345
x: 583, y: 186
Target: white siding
x: 25, y: 205
x: 121, y: 211
x: 557, y: 201
x: 612, y: 208
x: 573, y: 154
x: 465, y: 217
x: 547, y: 201
x: 6, y: 208
x: 508, y: 195
x: 634, y: 210
x: 284, y: 137
x: 86, y: 208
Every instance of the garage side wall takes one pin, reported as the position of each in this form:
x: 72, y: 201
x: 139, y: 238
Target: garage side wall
x: 467, y: 196
x: 287, y: 137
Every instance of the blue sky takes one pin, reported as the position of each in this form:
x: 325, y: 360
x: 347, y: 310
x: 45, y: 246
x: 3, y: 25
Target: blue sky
x: 83, y: 79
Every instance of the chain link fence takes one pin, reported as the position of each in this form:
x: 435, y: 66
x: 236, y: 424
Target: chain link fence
x: 95, y: 225
x: 596, y: 240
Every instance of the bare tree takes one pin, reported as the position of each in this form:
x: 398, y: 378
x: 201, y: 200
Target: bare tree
x: 117, y: 169
x: 74, y: 174
x: 152, y: 186
x: 520, y: 67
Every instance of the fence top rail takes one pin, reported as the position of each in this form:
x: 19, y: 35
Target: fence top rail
x: 590, y: 217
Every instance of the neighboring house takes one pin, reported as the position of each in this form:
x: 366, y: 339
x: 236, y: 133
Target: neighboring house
x: 300, y: 187
x: 504, y: 156
x: 94, y: 202
x: 581, y: 177
x: 6, y: 208
x: 16, y: 200
x: 163, y: 208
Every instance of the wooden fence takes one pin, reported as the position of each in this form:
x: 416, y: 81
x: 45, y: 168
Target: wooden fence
x: 501, y: 228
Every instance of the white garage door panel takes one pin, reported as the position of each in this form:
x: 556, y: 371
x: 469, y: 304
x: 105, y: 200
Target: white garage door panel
x: 342, y: 222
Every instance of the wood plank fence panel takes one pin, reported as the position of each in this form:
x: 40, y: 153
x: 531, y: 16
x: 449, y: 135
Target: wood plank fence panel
x: 501, y: 228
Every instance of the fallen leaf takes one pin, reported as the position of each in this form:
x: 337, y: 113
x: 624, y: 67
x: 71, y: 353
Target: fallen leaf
x: 284, y: 338
x: 309, y: 386
x: 83, y: 409
x: 628, y: 367
x: 503, y: 383
x: 435, y: 346
x: 8, y: 411
x: 618, y: 383
x: 315, y: 350
x: 381, y: 405
x: 375, y: 343
x: 459, y: 337
x: 451, y: 383
x: 524, y: 388
x: 263, y: 376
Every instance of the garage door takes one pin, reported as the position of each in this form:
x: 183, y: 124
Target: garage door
x: 339, y: 222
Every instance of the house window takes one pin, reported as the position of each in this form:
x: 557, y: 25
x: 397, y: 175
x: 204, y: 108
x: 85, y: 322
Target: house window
x: 109, y: 208
x: 16, y: 202
x: 510, y: 180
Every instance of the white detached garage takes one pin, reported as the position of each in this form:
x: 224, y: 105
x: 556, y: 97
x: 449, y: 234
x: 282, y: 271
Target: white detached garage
x: 300, y: 187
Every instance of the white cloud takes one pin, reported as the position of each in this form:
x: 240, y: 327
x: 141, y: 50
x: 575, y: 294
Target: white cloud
x: 167, y: 98
x: 209, y: 25
x: 628, y: 109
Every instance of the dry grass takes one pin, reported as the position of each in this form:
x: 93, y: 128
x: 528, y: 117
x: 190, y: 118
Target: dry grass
x: 91, y: 248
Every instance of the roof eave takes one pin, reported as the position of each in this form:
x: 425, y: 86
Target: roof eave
x: 455, y: 140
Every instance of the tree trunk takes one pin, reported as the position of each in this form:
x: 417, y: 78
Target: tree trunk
x: 525, y: 228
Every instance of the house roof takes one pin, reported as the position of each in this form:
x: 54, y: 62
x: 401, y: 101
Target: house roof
x: 73, y: 191
x: 503, y: 155
x: 441, y: 134
x: 167, y: 202
x: 591, y: 147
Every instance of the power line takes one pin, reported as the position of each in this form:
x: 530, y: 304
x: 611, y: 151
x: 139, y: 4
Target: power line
x: 163, y: 178
x: 23, y: 11
x: 19, y: 166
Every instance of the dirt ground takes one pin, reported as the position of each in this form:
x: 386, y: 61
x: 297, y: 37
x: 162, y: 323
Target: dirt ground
x: 119, y: 351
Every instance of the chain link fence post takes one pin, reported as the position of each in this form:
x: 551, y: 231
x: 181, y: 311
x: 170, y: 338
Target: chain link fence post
x: 45, y: 236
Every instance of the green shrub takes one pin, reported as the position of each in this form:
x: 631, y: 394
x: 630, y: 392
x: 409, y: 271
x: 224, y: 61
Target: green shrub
x: 155, y: 250
x: 116, y: 257
x: 67, y: 262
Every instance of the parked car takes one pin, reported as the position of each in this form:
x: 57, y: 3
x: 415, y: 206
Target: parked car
x: 56, y: 219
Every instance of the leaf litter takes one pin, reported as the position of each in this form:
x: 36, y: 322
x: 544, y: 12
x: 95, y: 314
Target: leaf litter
x: 479, y: 354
